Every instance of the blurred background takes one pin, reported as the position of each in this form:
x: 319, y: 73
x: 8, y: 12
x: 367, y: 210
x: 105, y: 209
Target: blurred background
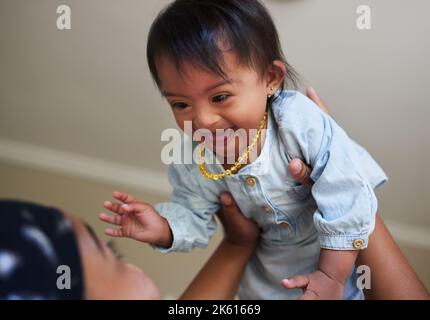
x: 80, y: 116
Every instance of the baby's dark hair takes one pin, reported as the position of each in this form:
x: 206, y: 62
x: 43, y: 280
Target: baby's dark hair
x: 192, y: 31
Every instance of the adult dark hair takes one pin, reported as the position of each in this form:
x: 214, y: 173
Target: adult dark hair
x: 34, y: 242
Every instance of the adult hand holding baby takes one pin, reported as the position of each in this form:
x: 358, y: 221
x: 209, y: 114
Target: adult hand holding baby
x: 238, y: 229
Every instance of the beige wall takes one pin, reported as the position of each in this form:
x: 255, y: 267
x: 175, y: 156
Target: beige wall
x: 87, y: 93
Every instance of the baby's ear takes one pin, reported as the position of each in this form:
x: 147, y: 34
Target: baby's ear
x: 275, y: 74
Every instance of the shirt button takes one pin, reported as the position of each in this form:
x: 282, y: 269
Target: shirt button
x: 250, y: 181
x: 358, y: 243
x: 266, y: 209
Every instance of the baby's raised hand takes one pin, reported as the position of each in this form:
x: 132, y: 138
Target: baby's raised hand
x: 316, y: 286
x: 136, y: 220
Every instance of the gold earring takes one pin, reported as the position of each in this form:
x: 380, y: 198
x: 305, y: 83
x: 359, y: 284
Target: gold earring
x: 270, y: 94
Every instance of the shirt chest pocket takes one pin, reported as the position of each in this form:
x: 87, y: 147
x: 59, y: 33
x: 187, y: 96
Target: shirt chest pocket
x: 290, y: 200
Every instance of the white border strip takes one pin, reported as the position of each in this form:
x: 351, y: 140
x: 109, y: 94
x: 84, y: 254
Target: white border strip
x: 84, y: 167
x: 146, y: 180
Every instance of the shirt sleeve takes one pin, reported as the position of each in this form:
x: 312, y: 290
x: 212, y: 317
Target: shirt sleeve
x: 344, y: 174
x: 189, y: 213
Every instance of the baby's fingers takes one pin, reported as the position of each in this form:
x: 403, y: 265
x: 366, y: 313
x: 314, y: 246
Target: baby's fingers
x: 114, y: 232
x: 136, y: 207
x: 296, y: 282
x: 124, y: 197
x: 114, y: 207
x: 110, y: 219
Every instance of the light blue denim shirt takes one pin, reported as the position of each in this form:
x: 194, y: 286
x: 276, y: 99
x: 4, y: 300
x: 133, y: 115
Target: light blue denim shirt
x: 338, y: 212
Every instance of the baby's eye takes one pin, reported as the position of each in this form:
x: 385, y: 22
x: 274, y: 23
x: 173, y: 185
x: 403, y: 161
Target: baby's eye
x: 219, y: 98
x: 179, y: 105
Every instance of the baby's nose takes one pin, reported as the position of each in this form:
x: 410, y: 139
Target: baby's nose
x: 205, y: 121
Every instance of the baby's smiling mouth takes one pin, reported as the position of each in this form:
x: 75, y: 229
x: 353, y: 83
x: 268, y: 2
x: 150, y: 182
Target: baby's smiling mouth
x: 223, y: 140
x: 222, y: 136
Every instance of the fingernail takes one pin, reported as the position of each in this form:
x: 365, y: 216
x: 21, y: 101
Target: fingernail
x: 225, y: 200
x: 106, y: 203
x: 125, y: 206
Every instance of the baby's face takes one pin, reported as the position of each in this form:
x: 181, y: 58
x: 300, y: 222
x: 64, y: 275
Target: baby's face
x: 210, y: 102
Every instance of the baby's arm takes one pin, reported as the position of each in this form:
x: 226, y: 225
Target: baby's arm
x: 343, y: 191
x: 328, y: 282
x: 186, y: 222
x: 336, y: 264
x: 191, y: 210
